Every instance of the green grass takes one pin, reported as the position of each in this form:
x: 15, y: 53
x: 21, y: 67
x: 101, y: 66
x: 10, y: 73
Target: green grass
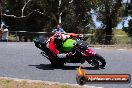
x: 11, y: 83
x: 120, y: 40
x: 119, y: 37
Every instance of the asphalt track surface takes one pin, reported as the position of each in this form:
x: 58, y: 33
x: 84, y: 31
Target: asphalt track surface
x: 23, y: 60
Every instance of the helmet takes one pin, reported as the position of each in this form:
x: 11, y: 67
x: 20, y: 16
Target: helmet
x: 81, y: 36
x: 58, y: 40
x: 58, y: 36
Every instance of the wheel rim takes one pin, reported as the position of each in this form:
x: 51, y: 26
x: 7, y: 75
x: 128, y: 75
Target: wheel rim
x: 94, y: 63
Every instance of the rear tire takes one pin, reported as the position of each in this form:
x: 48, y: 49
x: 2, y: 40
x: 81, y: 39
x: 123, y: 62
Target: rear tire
x: 97, y: 61
x: 57, y: 65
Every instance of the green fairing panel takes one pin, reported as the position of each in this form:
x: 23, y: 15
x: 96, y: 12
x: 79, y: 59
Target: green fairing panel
x: 68, y: 45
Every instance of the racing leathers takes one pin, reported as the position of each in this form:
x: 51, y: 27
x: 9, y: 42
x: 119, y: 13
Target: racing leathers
x: 55, y: 44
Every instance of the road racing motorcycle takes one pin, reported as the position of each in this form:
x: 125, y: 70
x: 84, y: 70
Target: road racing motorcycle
x: 79, y: 50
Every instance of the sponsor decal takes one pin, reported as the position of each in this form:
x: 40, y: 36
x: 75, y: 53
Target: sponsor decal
x: 82, y: 77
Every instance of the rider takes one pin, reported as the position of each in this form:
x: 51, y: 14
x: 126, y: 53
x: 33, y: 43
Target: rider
x: 55, y: 43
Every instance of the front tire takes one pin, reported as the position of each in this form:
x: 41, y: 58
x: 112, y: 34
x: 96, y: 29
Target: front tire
x: 97, y: 61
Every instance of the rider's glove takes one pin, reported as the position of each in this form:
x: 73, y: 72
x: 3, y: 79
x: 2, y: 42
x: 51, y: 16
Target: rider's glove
x: 62, y: 55
x: 69, y: 54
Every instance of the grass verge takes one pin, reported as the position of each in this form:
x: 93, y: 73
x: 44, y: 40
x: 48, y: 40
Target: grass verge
x: 24, y: 83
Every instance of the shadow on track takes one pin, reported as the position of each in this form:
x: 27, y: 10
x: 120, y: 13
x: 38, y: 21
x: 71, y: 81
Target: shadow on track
x: 65, y: 67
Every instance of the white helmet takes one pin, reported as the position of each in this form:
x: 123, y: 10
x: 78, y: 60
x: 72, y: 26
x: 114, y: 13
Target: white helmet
x: 58, y: 36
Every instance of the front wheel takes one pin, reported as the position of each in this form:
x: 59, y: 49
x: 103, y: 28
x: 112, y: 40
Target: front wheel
x: 97, y: 61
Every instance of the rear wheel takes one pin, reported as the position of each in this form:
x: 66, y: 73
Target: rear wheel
x: 97, y: 61
x: 56, y: 65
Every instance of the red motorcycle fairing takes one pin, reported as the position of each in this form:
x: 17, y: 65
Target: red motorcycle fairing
x: 90, y: 52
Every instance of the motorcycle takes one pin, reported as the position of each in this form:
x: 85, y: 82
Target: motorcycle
x: 80, y: 53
